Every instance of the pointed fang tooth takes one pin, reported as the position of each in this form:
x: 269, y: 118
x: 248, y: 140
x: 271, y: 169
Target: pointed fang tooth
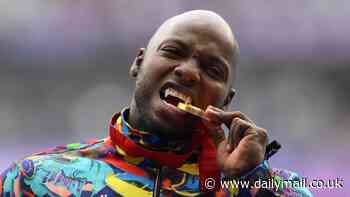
x: 167, y: 92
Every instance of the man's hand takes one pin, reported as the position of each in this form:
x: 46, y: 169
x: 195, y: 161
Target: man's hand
x: 243, y: 149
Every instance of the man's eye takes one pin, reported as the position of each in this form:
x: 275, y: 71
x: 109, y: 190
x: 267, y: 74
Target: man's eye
x: 171, y: 51
x: 215, y: 73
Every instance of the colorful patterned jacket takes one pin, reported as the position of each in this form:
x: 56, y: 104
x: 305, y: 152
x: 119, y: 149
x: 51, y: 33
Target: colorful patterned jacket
x: 100, y: 168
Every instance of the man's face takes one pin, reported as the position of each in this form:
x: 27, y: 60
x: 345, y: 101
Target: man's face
x: 187, y: 61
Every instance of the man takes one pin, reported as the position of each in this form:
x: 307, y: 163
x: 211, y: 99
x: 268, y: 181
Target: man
x: 154, y: 147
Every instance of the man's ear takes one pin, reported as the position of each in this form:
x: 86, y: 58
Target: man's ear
x: 135, y: 67
x: 229, y: 98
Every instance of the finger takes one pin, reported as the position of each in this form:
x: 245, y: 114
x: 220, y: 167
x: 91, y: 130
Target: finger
x: 213, y: 124
x: 262, y: 135
x: 213, y: 114
x: 227, y: 117
x: 214, y: 108
x: 238, y: 130
x: 218, y: 114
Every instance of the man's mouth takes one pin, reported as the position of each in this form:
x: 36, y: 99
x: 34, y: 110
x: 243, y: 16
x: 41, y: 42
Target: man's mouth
x: 173, y: 96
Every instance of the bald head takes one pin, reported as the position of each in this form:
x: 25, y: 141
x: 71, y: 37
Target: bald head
x: 203, y: 22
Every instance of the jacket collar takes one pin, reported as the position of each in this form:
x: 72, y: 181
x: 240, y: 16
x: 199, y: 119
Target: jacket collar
x: 149, y: 140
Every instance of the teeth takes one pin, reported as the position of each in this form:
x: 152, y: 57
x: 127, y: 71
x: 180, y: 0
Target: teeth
x: 167, y: 92
x: 175, y: 93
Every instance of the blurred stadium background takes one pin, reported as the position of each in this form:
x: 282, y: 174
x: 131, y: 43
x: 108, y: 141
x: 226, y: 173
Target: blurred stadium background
x: 64, y: 71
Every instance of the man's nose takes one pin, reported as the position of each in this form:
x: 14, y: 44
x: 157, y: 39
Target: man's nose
x: 188, y: 73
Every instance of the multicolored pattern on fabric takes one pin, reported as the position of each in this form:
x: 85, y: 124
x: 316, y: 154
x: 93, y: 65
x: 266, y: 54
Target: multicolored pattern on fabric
x: 97, y: 168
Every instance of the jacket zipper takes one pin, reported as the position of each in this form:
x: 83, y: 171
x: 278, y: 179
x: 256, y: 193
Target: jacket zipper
x: 157, y: 182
